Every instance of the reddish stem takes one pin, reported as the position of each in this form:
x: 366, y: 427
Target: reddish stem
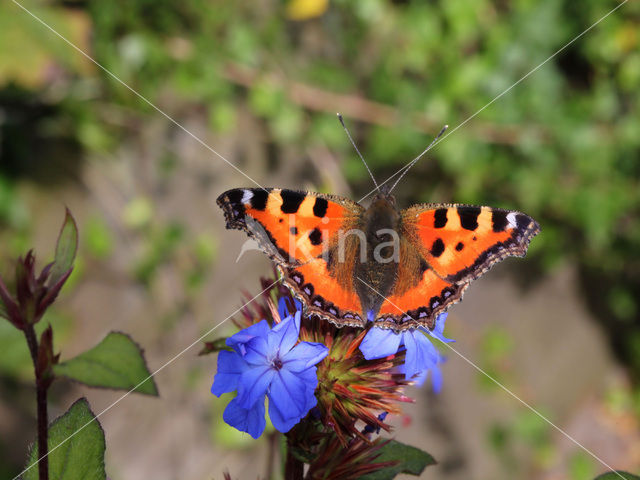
x: 42, y: 414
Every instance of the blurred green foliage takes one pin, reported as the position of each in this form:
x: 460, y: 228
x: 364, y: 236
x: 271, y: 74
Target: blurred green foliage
x: 563, y: 145
x: 496, y: 348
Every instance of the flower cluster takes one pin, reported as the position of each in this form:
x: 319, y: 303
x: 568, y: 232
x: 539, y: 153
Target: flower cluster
x: 329, y: 389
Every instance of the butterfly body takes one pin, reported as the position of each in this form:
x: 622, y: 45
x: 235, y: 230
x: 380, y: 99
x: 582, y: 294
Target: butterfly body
x: 397, y: 268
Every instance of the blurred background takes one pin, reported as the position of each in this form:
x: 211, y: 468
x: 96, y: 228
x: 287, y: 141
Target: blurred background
x: 260, y: 83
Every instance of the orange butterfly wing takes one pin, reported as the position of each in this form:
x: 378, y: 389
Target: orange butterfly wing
x: 461, y: 242
x: 444, y: 248
x: 292, y: 227
x: 298, y: 230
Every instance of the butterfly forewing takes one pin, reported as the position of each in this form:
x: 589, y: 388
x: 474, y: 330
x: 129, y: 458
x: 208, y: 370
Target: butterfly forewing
x: 292, y: 227
x: 461, y: 242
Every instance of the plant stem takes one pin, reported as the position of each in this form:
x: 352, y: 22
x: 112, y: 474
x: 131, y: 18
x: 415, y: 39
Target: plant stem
x: 41, y: 401
x: 293, y: 468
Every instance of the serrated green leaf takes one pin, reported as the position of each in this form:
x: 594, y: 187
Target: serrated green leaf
x: 116, y: 362
x: 66, y: 249
x: 617, y: 476
x: 76, y: 447
x: 410, y: 460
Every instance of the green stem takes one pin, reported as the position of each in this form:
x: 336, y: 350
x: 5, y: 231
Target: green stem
x: 41, y: 401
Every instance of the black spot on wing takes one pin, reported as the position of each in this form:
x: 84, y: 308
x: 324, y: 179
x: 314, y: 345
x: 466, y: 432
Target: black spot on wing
x: 308, y: 289
x: 440, y: 218
x: 469, y: 217
x: 320, y: 207
x: 293, y: 230
x: 459, y: 246
x: 522, y: 221
x: 437, y: 248
x: 291, y: 201
x: 259, y: 199
x: 499, y: 220
x: 315, y: 237
x: 235, y: 196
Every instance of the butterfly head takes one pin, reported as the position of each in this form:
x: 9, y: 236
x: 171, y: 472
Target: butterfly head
x: 384, y: 196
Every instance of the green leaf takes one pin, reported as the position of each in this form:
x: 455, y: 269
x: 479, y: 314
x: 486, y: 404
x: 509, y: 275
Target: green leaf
x: 410, y: 460
x: 66, y: 249
x: 116, y: 362
x: 616, y: 476
x: 76, y: 447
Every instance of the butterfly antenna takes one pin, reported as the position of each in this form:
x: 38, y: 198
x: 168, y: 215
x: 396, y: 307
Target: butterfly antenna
x: 357, y: 151
x: 413, y: 162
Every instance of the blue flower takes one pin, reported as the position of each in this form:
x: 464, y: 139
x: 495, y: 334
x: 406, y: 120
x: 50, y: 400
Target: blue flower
x: 283, y: 309
x: 267, y: 361
x: 421, y: 357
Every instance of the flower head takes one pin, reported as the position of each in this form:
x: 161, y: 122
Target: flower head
x: 352, y: 390
x: 421, y: 357
x: 267, y: 361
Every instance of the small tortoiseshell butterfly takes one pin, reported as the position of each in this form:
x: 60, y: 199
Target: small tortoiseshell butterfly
x: 398, y: 268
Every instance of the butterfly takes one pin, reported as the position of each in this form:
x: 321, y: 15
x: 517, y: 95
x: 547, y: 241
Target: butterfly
x: 352, y: 265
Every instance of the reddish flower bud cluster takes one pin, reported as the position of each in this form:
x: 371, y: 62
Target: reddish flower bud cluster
x: 34, y: 294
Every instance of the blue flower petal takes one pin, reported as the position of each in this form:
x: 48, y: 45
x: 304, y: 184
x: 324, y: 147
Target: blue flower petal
x: 438, y: 330
x: 436, y: 379
x: 310, y: 378
x: 418, y: 378
x: 421, y: 354
x: 236, y: 341
x: 253, y: 384
x: 303, y: 356
x: 288, y: 392
x: 281, y: 423
x: 291, y: 397
x: 230, y: 366
x: 284, y: 335
x: 283, y: 311
x: 250, y: 420
x: 257, y: 352
x: 380, y: 343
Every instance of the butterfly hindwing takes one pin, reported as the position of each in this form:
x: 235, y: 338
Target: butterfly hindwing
x: 323, y: 293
